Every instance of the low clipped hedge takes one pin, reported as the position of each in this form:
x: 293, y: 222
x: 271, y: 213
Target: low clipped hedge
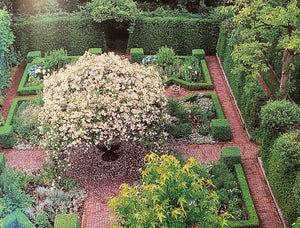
x: 252, y: 219
x: 220, y: 126
x: 66, y: 221
x: 16, y: 219
x: 220, y: 129
x: 96, y: 51
x: 32, y: 90
x: 32, y: 55
x: 230, y: 156
x: 2, y: 163
x: 198, y: 53
x: 207, y: 85
x: 7, y: 139
x: 136, y: 55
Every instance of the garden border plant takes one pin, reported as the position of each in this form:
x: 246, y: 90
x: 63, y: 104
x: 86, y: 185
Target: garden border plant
x: 231, y: 156
x: 136, y: 56
x: 7, y: 138
x: 32, y: 90
x: 220, y: 126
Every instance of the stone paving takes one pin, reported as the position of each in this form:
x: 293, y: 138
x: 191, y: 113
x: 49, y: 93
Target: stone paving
x: 96, y: 213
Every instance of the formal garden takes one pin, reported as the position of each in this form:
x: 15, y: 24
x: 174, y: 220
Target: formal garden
x: 148, y: 113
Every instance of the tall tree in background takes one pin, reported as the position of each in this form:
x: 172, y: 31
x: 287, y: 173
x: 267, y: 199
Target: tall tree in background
x: 258, y: 17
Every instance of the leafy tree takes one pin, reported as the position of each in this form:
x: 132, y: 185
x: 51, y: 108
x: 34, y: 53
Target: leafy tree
x: 100, y: 100
x: 118, y: 10
x: 172, y: 195
x: 257, y: 18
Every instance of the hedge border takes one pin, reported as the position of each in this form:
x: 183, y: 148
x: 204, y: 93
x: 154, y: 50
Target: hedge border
x: 213, y: 96
x: 252, y: 221
x: 16, y: 219
x: 6, y: 131
x: 66, y: 221
x: 230, y: 156
x: 32, y: 90
x: 207, y: 85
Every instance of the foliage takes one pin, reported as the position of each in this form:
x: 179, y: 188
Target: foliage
x: 180, y: 33
x: 282, y: 175
x: 53, y: 60
x: 136, y: 55
x: 7, y: 58
x: 66, y: 221
x: 220, y: 129
x: 12, y: 192
x: 99, y: 99
x: 7, y: 139
x: 279, y: 116
x: 26, y: 122
x: 227, y: 190
x: 77, y: 33
x: 257, y: 18
x: 172, y: 195
x: 51, y: 202
x: 247, y: 91
x: 165, y: 56
x: 230, y: 155
x: 189, y: 117
x: 42, y: 221
x: 118, y: 10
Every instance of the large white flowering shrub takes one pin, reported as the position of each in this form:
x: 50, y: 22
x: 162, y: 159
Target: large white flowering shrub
x: 99, y: 99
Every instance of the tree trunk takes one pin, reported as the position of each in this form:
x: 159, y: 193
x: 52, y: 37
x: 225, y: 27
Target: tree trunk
x: 286, y: 71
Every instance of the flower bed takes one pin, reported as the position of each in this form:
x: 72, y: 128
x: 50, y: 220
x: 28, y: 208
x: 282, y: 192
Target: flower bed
x: 192, y: 119
x: 178, y: 68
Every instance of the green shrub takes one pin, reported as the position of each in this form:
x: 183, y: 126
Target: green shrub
x: 16, y: 219
x: 181, y: 130
x: 220, y: 129
x: 42, y: 221
x: 53, y: 60
x: 296, y: 191
x: 172, y: 195
x: 136, y: 55
x: 252, y: 219
x: 198, y: 53
x: 7, y: 139
x: 281, y: 178
x: 96, y: 51
x: 32, y: 55
x: 230, y: 156
x: 77, y: 33
x: 276, y: 118
x: 165, y: 56
x: 12, y: 192
x: 66, y: 221
x: 180, y: 33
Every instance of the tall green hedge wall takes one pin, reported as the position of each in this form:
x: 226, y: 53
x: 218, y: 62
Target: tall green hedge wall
x: 182, y: 34
x: 6, y: 40
x: 74, y: 32
x: 248, y: 93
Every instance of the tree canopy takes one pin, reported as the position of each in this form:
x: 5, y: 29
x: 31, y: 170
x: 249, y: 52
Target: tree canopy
x: 256, y: 18
x: 100, y: 99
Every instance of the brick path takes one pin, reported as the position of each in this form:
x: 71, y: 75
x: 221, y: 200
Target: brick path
x: 96, y: 214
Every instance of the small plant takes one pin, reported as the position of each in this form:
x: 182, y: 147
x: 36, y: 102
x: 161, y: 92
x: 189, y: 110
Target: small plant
x: 42, y: 221
x: 12, y: 192
x: 165, y: 56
